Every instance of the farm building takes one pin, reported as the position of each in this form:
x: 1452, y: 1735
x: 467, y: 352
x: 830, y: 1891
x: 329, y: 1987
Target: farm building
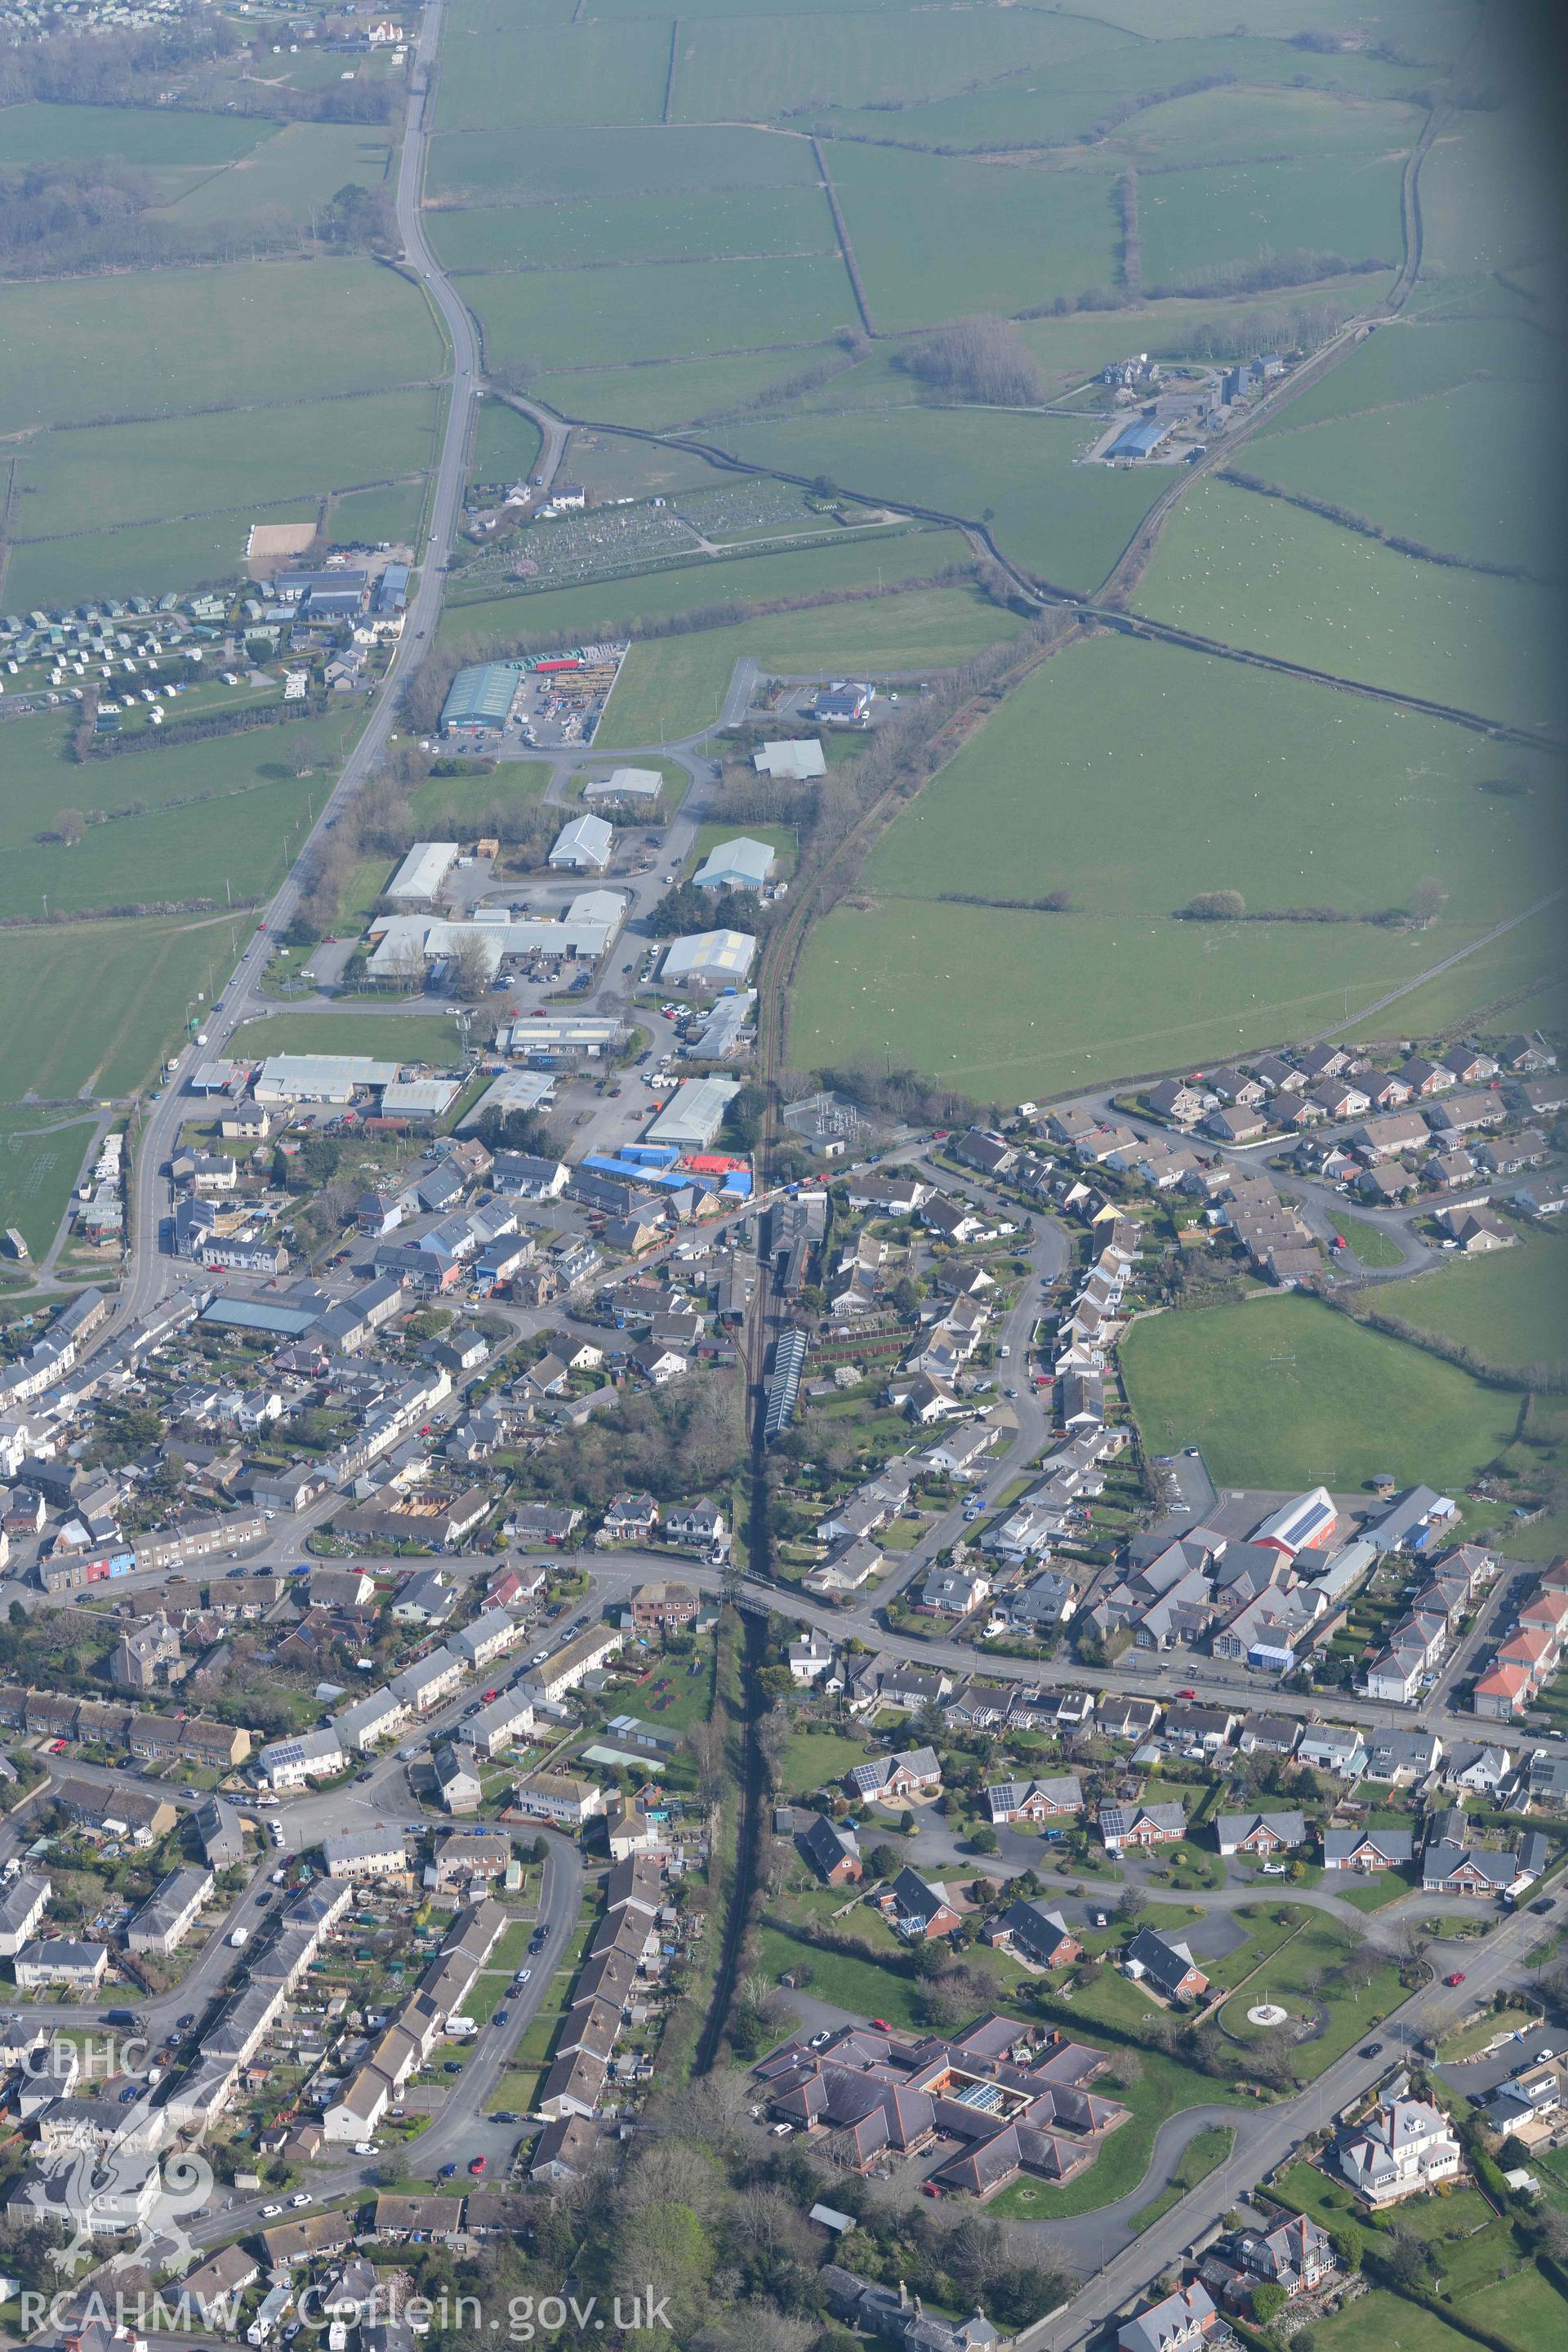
x: 739, y: 864
x: 422, y: 872
x: 583, y: 844
x: 481, y: 697
x: 1140, y: 440
x: 712, y: 959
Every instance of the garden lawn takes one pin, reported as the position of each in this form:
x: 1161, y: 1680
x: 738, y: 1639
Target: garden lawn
x: 1370, y: 1244
x: 1164, y: 2088
x: 1510, y: 1307
x: 1285, y: 1392
x: 1374, y: 2322
x: 1374, y: 1894
x: 1201, y: 2157
x: 516, y: 2092
x: 40, y: 1159
x: 1260, y: 574
x: 814, y: 1759
x: 1286, y: 1977
x: 862, y: 1987
x: 1305, y: 2190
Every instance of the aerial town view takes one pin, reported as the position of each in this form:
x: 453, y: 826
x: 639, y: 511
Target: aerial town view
x: 783, y: 1176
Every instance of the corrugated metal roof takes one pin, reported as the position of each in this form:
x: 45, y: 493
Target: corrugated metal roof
x: 482, y: 694
x: 744, y: 863
x: 709, y: 955
x: 424, y: 870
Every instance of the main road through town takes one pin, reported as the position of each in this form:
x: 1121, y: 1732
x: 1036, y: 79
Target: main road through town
x: 148, y: 1271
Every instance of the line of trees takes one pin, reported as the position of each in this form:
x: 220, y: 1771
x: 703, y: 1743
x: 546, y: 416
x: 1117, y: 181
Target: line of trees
x: 1301, y: 267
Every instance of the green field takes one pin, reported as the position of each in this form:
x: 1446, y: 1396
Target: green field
x: 671, y: 687
x: 79, y: 349
x: 1307, y: 797
x: 608, y: 606
x: 508, y: 77
x: 1409, y: 360
x: 938, y: 235
x: 1482, y: 211
x: 1287, y: 1394
x: 160, y: 556
x: 679, y: 228
x: 40, y: 1161
x: 90, y: 1006
x: 1060, y: 109
x: 394, y: 515
x: 1301, y: 798
x: 579, y: 317
x: 1063, y: 522
x: 83, y: 481
x: 556, y: 165
x: 39, y: 133
x: 1455, y: 471
x: 613, y: 466
x: 669, y: 392
x: 1255, y: 573
x: 506, y: 444
x: 755, y: 68
x: 1512, y: 1308
x: 408, y: 1036
x: 1197, y: 223
x: 1237, y: 124
x: 947, y: 989
x: 183, y: 821
x: 294, y: 173
x: 1525, y: 2310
